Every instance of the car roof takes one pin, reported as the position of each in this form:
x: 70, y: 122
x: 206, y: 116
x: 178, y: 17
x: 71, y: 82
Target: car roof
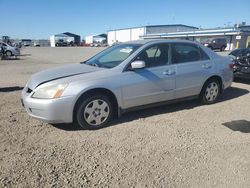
x: 147, y: 41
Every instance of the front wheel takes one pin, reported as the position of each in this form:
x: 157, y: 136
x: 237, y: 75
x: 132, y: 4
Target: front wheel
x: 210, y: 91
x: 8, y: 53
x: 95, y: 112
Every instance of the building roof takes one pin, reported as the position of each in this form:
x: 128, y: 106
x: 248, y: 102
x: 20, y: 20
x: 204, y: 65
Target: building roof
x: 169, y: 25
x: 201, y: 32
x: 60, y: 35
x: 71, y: 34
x: 172, y: 25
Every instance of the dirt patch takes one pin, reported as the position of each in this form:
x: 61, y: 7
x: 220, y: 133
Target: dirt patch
x: 178, y: 145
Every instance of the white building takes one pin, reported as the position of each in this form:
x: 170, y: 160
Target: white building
x: 89, y: 39
x: 130, y: 34
x: 236, y: 37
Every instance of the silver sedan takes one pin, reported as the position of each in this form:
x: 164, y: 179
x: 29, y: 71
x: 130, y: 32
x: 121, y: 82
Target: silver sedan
x: 126, y: 77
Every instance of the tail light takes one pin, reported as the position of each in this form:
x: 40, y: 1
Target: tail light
x: 231, y: 65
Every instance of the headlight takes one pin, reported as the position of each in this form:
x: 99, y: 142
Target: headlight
x: 205, y: 44
x: 50, y: 92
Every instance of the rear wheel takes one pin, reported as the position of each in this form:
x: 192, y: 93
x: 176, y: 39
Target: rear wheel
x: 222, y: 48
x: 95, y: 112
x: 210, y: 91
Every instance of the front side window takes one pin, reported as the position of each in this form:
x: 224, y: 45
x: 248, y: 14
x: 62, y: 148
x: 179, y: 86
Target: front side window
x: 113, y: 56
x: 182, y: 53
x: 156, y: 55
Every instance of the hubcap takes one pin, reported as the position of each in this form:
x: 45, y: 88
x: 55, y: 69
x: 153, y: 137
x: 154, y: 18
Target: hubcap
x: 8, y: 54
x: 96, y: 112
x: 212, y: 91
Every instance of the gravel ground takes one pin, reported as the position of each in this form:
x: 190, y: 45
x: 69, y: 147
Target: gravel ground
x: 179, y: 145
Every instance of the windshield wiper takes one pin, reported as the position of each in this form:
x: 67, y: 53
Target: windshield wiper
x: 93, y: 64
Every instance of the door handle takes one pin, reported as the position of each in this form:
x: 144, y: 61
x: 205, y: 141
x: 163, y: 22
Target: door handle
x: 169, y: 72
x: 206, y: 66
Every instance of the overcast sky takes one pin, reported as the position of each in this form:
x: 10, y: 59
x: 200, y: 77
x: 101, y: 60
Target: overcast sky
x: 41, y: 18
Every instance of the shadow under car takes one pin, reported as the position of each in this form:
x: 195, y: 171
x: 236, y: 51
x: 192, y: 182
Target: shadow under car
x: 230, y: 93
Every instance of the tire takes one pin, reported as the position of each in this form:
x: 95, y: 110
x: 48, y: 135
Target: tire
x: 95, y: 112
x: 222, y: 48
x: 211, y: 47
x: 210, y: 91
x: 8, y: 53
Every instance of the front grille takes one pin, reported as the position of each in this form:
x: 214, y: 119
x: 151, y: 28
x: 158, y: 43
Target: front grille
x: 29, y: 90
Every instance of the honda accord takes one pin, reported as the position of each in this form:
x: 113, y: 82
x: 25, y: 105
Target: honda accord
x: 127, y: 76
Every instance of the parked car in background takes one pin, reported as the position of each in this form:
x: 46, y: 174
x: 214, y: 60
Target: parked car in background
x: 241, y: 58
x: 2, y: 52
x: 85, y: 44
x: 10, y: 50
x: 26, y: 42
x: 37, y: 44
x: 61, y: 42
x: 125, y: 77
x: 104, y: 45
x: 216, y: 43
x: 97, y: 44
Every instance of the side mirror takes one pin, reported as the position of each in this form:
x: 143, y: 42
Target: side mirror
x: 138, y: 65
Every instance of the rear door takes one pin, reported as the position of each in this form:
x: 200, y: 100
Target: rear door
x: 154, y: 83
x: 217, y: 43
x: 193, y: 67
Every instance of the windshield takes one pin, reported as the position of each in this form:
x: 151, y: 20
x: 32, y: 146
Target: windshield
x: 113, y: 56
x: 208, y: 40
x: 240, y: 52
x: 235, y: 52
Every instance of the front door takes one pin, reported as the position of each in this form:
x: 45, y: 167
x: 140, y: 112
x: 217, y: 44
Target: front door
x: 154, y: 83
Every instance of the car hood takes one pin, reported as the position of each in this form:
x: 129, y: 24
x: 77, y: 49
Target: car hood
x: 60, y: 72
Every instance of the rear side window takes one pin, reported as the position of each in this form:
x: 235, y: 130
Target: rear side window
x: 221, y: 40
x: 203, y: 55
x: 182, y: 53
